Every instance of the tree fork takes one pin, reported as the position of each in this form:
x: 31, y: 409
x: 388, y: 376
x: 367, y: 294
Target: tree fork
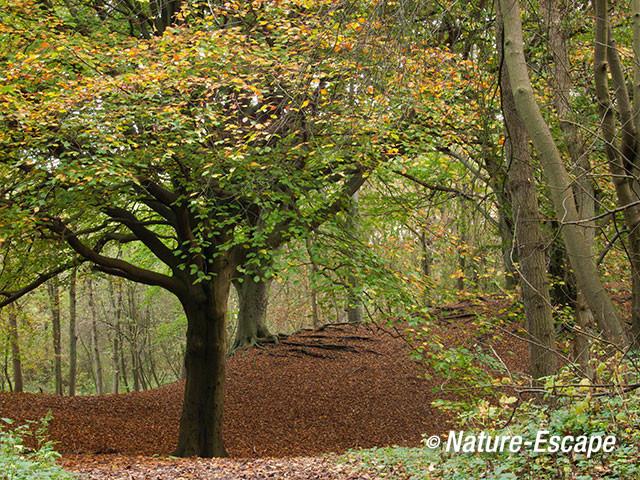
x: 559, y: 183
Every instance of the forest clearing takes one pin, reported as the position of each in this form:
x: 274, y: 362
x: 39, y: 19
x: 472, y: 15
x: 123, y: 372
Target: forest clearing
x: 320, y: 239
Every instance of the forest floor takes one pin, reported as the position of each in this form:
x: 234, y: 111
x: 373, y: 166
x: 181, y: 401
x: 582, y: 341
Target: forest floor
x: 314, y: 392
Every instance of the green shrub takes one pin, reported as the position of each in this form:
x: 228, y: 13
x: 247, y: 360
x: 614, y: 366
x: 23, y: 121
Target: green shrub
x: 571, y: 407
x: 17, y: 462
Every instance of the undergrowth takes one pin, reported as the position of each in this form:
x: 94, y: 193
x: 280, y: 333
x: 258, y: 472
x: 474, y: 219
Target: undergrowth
x: 570, y: 406
x: 17, y: 462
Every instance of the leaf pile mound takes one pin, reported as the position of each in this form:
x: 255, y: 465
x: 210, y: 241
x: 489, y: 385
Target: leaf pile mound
x: 314, y: 392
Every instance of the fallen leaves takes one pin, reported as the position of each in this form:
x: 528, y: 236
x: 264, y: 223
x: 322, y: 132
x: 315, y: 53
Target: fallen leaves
x: 116, y: 467
x: 315, y: 392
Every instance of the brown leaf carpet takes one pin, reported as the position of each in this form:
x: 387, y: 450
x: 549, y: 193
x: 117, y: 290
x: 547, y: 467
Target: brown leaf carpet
x: 314, y: 392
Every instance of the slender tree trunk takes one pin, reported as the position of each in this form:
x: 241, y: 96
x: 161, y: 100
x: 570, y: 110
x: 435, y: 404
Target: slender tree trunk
x: 116, y: 302
x: 205, y: 357
x: 425, y: 266
x: 509, y: 255
x: 94, y: 339
x: 528, y: 236
x: 354, y: 301
x: 584, y: 190
x: 123, y: 363
x: 557, y: 178
x: 73, y: 337
x: 14, y: 339
x: 623, y: 154
x: 253, y: 299
x: 133, y: 337
x: 115, y: 355
x: 497, y: 182
x: 461, y: 248
x: 53, y: 287
x: 315, y: 314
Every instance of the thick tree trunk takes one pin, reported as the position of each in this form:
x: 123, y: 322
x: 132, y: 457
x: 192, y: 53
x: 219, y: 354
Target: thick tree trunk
x: 205, y: 357
x: 14, y: 339
x: 528, y: 236
x: 253, y: 299
x: 53, y: 288
x: 557, y: 178
x: 73, y: 337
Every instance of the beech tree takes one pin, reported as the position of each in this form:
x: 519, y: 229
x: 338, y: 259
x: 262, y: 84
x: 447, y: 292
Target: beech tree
x: 253, y: 296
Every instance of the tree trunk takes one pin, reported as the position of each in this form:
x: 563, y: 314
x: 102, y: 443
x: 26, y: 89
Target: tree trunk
x: 497, y: 181
x: 115, y: 357
x: 94, y: 339
x: 509, y: 256
x: 528, y: 236
x: 354, y: 302
x: 584, y: 189
x: 123, y: 364
x: 14, y: 339
x: 73, y: 337
x: 53, y: 287
x: 557, y: 178
x: 622, y: 155
x: 461, y: 248
x: 133, y: 337
x: 253, y: 298
x: 425, y: 266
x: 315, y: 313
x: 116, y: 303
x: 201, y: 423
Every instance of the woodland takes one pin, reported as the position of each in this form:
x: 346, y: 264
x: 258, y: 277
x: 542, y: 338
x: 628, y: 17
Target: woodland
x: 310, y: 235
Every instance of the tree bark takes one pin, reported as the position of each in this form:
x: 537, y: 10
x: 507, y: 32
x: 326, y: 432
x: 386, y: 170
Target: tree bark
x: 623, y: 155
x: 115, y: 292
x: 123, y: 363
x: 73, y: 337
x: 201, y: 423
x: 315, y: 311
x: 53, y: 287
x: 253, y: 299
x: 528, y: 236
x: 14, y: 339
x: 584, y: 189
x: 94, y: 339
x: 557, y: 177
x: 354, y: 302
x: 425, y: 266
x: 134, y: 337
